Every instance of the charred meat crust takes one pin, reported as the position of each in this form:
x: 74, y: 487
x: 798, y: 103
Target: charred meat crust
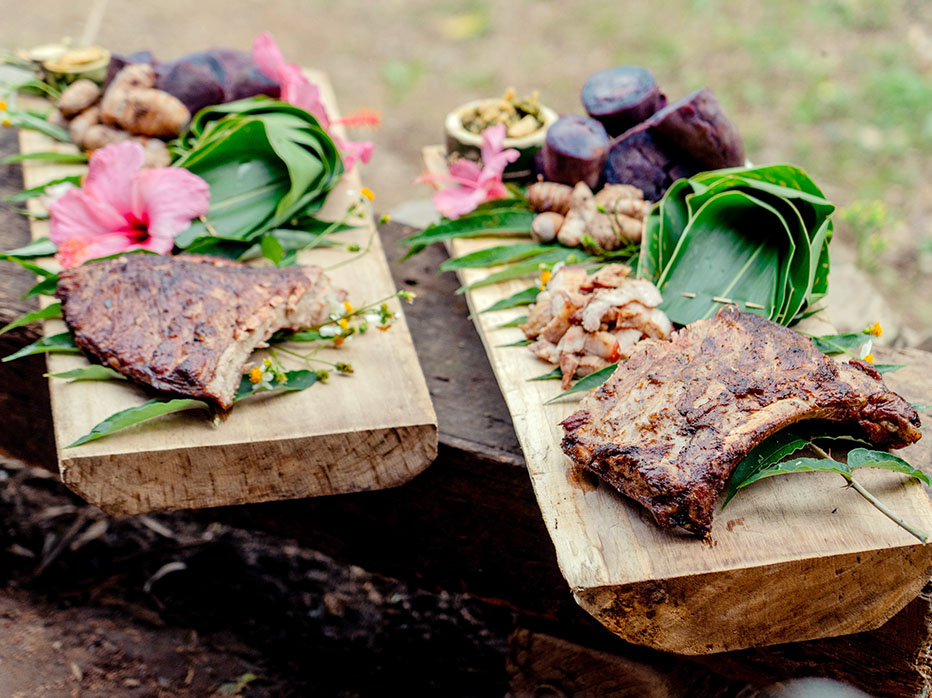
x: 178, y: 324
x: 671, y: 424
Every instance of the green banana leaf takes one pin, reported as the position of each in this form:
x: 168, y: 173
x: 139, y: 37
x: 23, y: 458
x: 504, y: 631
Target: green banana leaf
x: 743, y: 235
x: 268, y: 165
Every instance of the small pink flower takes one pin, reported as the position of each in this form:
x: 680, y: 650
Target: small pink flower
x: 298, y: 91
x: 123, y: 207
x: 472, y: 185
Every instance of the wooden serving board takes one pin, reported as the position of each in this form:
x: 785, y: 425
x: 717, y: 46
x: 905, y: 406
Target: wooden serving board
x: 791, y: 558
x: 373, y: 430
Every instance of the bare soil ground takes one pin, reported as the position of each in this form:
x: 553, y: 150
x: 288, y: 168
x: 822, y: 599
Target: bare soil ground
x: 173, y: 606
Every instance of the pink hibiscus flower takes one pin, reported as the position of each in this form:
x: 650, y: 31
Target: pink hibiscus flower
x: 298, y: 91
x: 474, y: 185
x: 123, y: 207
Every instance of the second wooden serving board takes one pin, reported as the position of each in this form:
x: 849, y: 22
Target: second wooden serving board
x: 790, y: 559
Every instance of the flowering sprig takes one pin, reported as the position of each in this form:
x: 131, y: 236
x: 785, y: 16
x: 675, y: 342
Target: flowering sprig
x: 340, y: 328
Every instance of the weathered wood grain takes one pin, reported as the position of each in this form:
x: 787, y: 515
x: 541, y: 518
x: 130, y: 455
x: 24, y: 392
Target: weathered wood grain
x: 374, y: 430
x: 672, y: 592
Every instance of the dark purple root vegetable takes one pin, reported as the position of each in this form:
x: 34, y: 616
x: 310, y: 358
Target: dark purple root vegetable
x: 639, y: 159
x: 698, y: 126
x: 575, y: 150
x: 214, y: 77
x: 195, y: 85
x: 622, y: 97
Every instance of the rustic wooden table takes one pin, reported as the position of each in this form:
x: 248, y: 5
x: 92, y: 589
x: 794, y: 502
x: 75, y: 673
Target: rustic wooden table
x: 471, y: 523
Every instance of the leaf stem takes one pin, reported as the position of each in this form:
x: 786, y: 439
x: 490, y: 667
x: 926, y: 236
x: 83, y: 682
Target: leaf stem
x: 880, y: 506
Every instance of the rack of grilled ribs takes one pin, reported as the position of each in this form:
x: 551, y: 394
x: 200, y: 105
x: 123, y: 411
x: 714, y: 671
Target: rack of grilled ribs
x: 672, y: 423
x: 188, y: 324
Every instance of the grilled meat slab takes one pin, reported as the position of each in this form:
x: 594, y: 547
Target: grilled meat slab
x: 188, y: 324
x: 671, y: 424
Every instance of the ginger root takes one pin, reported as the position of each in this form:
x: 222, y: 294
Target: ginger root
x: 550, y: 196
x: 102, y: 135
x: 612, y: 218
x: 81, y: 123
x: 77, y: 97
x: 145, y: 111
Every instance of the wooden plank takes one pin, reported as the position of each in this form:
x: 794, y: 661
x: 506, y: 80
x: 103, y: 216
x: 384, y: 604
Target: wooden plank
x: 444, y: 528
x: 374, y: 430
x: 752, y: 584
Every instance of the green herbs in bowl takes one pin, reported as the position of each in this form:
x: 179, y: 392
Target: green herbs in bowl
x: 526, y: 121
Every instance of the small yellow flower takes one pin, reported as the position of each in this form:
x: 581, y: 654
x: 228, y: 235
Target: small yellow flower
x: 545, y: 277
x: 385, y: 219
x: 876, y: 330
x: 2, y: 105
x: 869, y: 358
x: 344, y: 323
x: 6, y: 122
x: 348, y: 306
x: 255, y: 375
x: 338, y: 341
x: 384, y: 328
x: 368, y: 193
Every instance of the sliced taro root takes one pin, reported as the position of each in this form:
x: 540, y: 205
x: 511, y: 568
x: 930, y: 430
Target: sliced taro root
x: 622, y: 97
x: 640, y: 159
x: 575, y: 150
x: 699, y: 126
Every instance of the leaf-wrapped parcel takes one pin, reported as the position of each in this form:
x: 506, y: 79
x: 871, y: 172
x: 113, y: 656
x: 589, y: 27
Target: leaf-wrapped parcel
x: 757, y: 237
x: 268, y: 165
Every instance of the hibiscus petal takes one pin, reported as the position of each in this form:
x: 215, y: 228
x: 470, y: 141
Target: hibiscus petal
x: 158, y: 245
x: 354, y: 150
x: 77, y: 251
x: 298, y: 91
x: 493, y: 139
x: 167, y: 198
x: 454, y: 202
x: 465, y: 169
x: 76, y: 215
x: 110, y: 174
x: 268, y: 56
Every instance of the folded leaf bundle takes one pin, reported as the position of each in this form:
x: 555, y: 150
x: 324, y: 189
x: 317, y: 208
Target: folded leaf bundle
x: 755, y: 237
x: 267, y: 163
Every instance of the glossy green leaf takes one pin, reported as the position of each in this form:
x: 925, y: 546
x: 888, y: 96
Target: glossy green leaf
x: 889, y: 368
x: 516, y: 300
x: 28, y: 265
x: 297, y: 380
x: 517, y: 343
x: 555, y: 374
x: 56, y: 344
x: 530, y: 267
x: 868, y: 458
x: 43, y: 247
x: 593, y: 380
x: 136, y: 415
x: 520, y: 320
x: 494, y: 256
x: 49, y: 311
x: 272, y: 249
x: 32, y: 122
x: 780, y: 445
x: 799, y: 465
x: 46, y: 287
x: 27, y: 194
x: 475, y: 225
x: 47, y: 157
x: 94, y: 372
x: 848, y: 343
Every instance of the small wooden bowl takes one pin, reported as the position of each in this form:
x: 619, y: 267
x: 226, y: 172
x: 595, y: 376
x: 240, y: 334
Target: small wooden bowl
x: 468, y: 144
